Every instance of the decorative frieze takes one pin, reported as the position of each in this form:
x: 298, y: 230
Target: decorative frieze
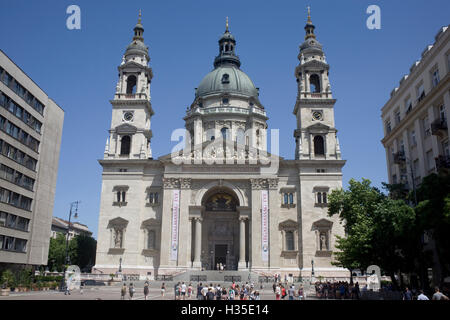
x: 259, y: 184
x: 185, y: 183
x: 171, y: 183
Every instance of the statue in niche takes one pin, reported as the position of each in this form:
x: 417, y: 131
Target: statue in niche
x: 118, y: 238
x: 323, y: 242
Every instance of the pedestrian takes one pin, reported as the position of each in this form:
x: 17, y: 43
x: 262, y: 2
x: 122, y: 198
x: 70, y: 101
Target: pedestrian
x: 183, y: 290
x: 189, y: 292
x: 177, y: 289
x: 199, y: 291
x: 438, y: 295
x: 123, y: 292
x: 422, y: 296
x: 300, y: 293
x: 231, y: 293
x: 291, y: 292
x: 274, y: 286
x: 407, y: 295
x: 81, y: 288
x: 131, y: 291
x: 210, y: 294
x: 145, y: 290
x: 204, y: 291
x: 163, y: 289
x: 278, y: 292
x: 283, y: 292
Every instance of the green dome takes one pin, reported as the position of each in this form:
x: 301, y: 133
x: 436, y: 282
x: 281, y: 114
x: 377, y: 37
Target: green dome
x: 217, y: 81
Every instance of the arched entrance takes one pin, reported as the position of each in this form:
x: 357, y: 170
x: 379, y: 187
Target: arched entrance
x: 220, y: 229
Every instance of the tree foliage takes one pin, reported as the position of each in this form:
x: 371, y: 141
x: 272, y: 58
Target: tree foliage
x: 82, y: 249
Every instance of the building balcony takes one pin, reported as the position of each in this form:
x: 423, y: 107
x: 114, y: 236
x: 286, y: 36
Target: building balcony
x: 439, y: 127
x: 399, y: 157
x: 316, y: 95
x: 442, y: 162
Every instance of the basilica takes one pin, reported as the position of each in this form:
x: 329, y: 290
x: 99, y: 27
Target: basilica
x: 221, y: 200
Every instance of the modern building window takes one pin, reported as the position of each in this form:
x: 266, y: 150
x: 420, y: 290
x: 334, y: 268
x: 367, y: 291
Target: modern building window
x: 319, y: 148
x: 125, y: 145
x: 18, y: 156
x: 15, y: 199
x: 16, y: 177
x: 13, y: 244
x: 19, y: 134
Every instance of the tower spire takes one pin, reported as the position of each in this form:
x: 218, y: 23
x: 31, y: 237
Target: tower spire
x: 226, y: 25
x: 309, y: 28
x: 140, y: 15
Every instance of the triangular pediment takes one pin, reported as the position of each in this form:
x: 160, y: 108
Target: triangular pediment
x: 323, y: 223
x: 318, y: 128
x: 288, y: 224
x: 150, y: 222
x: 126, y: 128
x: 117, y: 222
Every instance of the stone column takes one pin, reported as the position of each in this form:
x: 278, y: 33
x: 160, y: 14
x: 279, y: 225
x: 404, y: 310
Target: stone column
x: 242, y: 264
x: 198, y: 243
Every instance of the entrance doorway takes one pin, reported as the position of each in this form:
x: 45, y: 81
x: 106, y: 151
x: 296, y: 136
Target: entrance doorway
x: 220, y: 255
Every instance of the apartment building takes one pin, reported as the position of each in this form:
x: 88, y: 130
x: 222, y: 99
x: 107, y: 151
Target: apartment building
x: 30, y: 138
x: 416, y: 118
x: 60, y: 226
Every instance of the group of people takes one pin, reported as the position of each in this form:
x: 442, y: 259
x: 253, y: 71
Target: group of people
x: 282, y: 291
x: 131, y: 290
x: 216, y: 292
x: 337, y: 290
x: 420, y: 295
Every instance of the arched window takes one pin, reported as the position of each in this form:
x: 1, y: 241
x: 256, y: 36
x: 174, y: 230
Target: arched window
x: 291, y: 198
x: 131, y: 84
x: 314, y: 83
x: 286, y: 198
x: 258, y: 137
x: 225, y: 133
x: 319, y: 148
x: 290, y: 240
x: 125, y: 145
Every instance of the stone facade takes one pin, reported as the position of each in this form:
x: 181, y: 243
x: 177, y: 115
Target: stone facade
x: 222, y: 198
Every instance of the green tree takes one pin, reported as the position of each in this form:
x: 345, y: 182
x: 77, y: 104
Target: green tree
x: 57, y: 252
x: 86, y: 250
x: 377, y: 228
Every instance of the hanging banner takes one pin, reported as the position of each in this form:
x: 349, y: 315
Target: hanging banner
x: 265, y: 225
x: 175, y: 225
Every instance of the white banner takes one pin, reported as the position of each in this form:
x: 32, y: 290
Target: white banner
x: 265, y: 225
x: 175, y: 225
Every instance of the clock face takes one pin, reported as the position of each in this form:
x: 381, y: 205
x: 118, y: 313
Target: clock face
x: 128, y: 116
x: 317, y: 115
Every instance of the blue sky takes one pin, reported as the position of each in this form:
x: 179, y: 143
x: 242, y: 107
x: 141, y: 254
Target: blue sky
x: 78, y: 69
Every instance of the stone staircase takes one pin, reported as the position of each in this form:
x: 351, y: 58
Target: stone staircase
x: 217, y: 276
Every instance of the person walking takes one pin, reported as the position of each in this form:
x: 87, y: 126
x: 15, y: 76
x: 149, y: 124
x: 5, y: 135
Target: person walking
x: 177, y: 290
x: 210, y: 294
x: 301, y: 295
x: 422, y: 296
x: 131, y: 291
x: 145, y: 290
x: 231, y: 293
x: 199, y: 291
x: 163, y: 289
x: 278, y: 292
x: 123, y: 292
x: 189, y: 291
x: 291, y: 292
x: 407, y: 295
x: 438, y: 295
x: 183, y: 290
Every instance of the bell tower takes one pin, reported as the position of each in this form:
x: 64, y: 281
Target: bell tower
x: 130, y: 134
x: 315, y: 135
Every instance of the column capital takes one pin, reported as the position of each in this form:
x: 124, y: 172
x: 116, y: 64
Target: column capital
x: 258, y: 184
x: 273, y: 183
x: 185, y: 183
x: 171, y: 183
x: 243, y: 218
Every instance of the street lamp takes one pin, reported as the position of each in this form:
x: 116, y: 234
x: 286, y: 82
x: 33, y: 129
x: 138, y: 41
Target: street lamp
x: 72, y: 205
x: 120, y: 265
